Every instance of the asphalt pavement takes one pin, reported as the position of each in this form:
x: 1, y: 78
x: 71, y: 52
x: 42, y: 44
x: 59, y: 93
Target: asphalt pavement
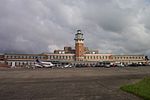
x: 69, y: 83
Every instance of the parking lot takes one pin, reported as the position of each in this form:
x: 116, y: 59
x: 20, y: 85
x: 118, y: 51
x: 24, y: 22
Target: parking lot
x: 69, y: 83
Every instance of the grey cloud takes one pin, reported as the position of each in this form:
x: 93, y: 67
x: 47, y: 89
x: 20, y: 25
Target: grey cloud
x: 35, y: 26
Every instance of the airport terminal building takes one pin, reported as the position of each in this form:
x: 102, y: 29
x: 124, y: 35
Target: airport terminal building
x: 79, y: 55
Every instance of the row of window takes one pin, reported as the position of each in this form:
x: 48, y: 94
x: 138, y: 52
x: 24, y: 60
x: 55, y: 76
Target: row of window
x: 70, y: 57
x: 19, y: 63
x: 23, y: 57
x: 60, y: 57
x: 97, y: 57
x: 130, y: 57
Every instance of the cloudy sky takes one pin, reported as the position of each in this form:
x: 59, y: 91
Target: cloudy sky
x: 111, y: 26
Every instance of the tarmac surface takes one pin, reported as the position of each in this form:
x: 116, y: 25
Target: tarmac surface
x: 69, y: 83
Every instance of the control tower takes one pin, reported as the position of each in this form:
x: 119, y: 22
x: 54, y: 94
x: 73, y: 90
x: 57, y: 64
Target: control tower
x: 79, y: 46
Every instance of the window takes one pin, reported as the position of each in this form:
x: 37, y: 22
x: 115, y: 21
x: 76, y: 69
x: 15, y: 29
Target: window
x: 103, y: 57
x: 29, y: 57
x: 60, y: 57
x: 8, y: 56
x: 97, y: 57
x: 56, y: 57
x: 12, y: 56
x: 94, y: 57
x: 20, y: 63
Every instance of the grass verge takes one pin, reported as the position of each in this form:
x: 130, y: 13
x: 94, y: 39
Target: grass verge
x: 141, y: 89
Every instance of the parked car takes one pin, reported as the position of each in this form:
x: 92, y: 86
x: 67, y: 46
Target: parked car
x: 67, y: 66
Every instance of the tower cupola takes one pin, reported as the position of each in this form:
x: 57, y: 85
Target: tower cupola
x: 79, y: 36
